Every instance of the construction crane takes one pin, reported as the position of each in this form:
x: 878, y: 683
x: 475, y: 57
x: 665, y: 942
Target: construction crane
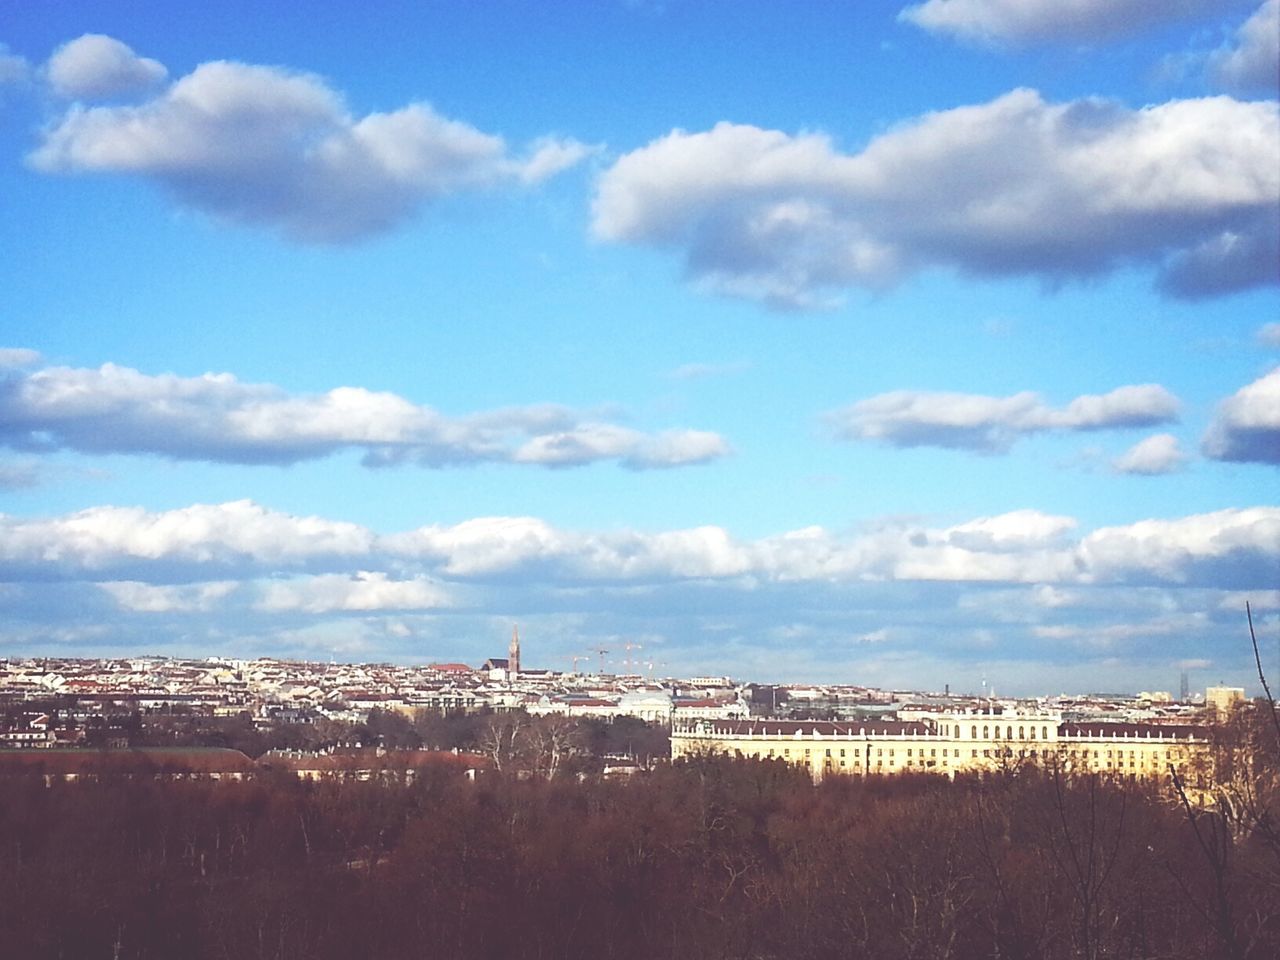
x: 601, y: 651
x: 629, y: 647
x: 575, y: 658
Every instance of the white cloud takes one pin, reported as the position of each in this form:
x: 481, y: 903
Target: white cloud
x: 1011, y: 531
x: 96, y: 67
x: 1110, y: 636
x: 910, y: 418
x: 266, y: 146
x: 1025, y: 546
x: 1251, y: 63
x: 216, y: 417
x: 18, y: 357
x: 550, y: 156
x: 363, y: 591
x: 1155, y: 455
x: 493, y: 546
x: 1246, y: 428
x: 1016, y: 186
x: 242, y: 540
x: 1269, y: 335
x: 239, y: 579
x: 604, y: 441
x: 1235, y: 600
x: 1223, y: 548
x: 1021, y: 22
x: 13, y: 68
x: 239, y: 535
x: 179, y: 598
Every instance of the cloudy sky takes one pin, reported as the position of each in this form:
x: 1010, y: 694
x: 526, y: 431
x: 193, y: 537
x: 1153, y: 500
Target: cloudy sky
x: 886, y: 343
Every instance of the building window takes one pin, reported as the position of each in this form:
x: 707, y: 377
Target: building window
x: 975, y: 732
x: 986, y: 733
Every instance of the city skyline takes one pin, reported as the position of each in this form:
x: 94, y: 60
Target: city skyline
x: 899, y: 344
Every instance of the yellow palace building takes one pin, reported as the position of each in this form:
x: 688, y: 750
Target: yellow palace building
x: 947, y: 742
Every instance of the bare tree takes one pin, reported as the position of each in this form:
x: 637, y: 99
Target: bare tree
x: 502, y: 740
x: 551, y: 741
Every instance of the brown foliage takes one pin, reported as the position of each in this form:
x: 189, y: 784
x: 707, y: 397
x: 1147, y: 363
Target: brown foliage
x: 716, y: 858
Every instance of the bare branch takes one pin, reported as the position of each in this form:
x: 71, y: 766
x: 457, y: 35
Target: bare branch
x: 1257, y: 657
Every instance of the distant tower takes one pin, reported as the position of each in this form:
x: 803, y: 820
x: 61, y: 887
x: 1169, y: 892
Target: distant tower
x: 1185, y: 689
x: 513, y: 652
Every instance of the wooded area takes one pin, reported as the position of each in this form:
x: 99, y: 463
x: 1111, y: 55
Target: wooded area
x: 713, y: 858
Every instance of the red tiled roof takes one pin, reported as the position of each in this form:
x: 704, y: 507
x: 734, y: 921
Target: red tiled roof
x: 145, y: 760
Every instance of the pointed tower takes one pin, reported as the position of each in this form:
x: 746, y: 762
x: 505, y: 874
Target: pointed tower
x: 513, y: 653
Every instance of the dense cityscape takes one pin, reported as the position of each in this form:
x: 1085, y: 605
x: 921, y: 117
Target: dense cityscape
x: 66, y: 703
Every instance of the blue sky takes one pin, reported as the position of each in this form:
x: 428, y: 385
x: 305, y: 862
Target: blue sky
x: 871, y: 343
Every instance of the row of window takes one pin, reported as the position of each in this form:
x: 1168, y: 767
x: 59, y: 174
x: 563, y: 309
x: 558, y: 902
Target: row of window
x: 987, y: 752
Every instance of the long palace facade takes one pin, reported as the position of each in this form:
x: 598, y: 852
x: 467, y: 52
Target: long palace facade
x: 947, y: 742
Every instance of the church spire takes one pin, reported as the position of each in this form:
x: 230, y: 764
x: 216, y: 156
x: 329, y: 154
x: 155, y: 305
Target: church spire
x: 513, y: 652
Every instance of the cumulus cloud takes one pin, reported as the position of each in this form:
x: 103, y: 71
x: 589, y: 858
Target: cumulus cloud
x: 97, y: 67
x: 1246, y: 428
x: 1158, y: 454
x: 1024, y: 546
x: 335, y: 566
x: 1251, y: 62
x: 1227, y: 548
x: 910, y: 418
x: 1012, y: 187
x: 1024, y: 22
x: 215, y: 417
x: 172, y: 598
x: 238, y: 535
x: 266, y: 146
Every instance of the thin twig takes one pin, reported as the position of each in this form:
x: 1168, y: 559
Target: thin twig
x: 1257, y: 657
